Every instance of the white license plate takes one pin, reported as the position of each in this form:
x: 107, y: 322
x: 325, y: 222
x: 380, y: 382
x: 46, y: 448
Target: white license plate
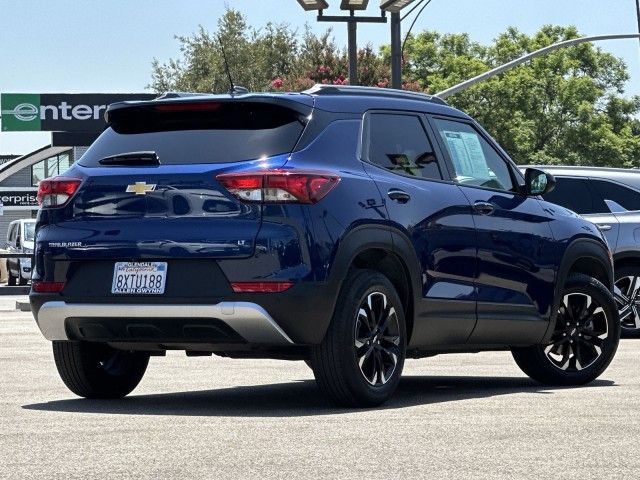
x: 139, y: 278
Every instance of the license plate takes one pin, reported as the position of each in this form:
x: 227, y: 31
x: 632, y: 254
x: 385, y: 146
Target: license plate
x: 139, y: 278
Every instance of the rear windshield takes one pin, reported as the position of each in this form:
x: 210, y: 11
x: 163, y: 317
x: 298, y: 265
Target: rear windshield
x: 224, y: 132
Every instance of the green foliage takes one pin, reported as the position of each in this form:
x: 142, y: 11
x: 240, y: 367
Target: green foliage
x: 566, y: 107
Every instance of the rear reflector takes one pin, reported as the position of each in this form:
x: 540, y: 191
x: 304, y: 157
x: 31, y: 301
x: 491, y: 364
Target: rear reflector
x: 56, y: 191
x: 47, y: 287
x: 261, y: 287
x: 279, y: 186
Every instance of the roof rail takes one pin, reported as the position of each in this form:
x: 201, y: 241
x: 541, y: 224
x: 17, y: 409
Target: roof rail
x: 322, y: 89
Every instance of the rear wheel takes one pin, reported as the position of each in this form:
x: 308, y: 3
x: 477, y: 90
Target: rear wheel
x: 95, y: 370
x: 584, y: 341
x: 626, y: 292
x: 22, y: 281
x: 11, y: 280
x: 360, y: 360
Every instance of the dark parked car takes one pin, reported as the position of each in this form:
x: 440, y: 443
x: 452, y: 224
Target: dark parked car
x: 609, y: 197
x: 348, y: 227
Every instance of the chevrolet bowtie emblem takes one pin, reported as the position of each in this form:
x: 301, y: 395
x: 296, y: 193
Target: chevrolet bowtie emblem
x: 140, y: 188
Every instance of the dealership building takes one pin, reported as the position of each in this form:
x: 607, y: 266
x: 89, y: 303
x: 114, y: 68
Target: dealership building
x: 74, y: 120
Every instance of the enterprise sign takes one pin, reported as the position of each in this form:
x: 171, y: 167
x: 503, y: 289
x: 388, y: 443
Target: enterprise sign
x: 59, y: 112
x: 19, y: 198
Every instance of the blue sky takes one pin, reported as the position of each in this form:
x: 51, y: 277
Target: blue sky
x: 108, y: 46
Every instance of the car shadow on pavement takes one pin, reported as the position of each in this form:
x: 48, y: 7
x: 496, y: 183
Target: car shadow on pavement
x: 299, y: 398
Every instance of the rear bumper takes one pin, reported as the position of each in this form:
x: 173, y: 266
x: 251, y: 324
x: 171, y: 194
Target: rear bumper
x: 59, y: 320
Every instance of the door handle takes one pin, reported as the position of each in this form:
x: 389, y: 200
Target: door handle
x: 483, y: 208
x: 399, y: 196
x: 603, y: 227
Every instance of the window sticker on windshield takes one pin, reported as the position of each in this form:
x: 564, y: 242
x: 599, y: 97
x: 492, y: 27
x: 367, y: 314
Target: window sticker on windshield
x: 467, y: 155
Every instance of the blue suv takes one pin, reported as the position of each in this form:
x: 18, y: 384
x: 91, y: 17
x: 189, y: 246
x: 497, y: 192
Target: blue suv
x: 348, y: 227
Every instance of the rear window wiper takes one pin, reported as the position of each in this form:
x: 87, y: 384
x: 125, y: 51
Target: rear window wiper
x: 145, y: 159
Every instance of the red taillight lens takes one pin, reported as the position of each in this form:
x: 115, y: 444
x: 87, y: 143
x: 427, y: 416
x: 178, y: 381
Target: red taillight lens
x: 279, y: 186
x: 56, y: 191
x: 261, y: 287
x: 47, y: 287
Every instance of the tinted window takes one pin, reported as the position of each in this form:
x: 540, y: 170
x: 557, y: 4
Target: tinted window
x: 400, y: 144
x: 229, y: 132
x: 625, y: 197
x: 12, y: 229
x: 575, y: 194
x: 475, y: 161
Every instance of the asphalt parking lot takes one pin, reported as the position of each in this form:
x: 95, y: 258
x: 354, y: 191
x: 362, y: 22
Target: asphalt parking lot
x: 455, y: 416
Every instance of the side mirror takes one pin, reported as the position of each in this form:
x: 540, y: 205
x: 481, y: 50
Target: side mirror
x: 18, y: 242
x: 538, y: 182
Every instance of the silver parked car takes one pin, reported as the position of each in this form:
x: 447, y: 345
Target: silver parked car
x: 20, y: 238
x: 610, y: 198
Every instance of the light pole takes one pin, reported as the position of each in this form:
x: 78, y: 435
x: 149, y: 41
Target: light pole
x: 525, y: 58
x: 395, y: 7
x: 352, y: 25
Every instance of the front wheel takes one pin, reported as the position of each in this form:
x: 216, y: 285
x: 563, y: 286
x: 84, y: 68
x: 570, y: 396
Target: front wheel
x: 95, y: 370
x: 626, y: 291
x: 584, y: 341
x: 360, y: 360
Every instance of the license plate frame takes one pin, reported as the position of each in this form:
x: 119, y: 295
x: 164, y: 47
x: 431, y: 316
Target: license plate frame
x: 139, y: 278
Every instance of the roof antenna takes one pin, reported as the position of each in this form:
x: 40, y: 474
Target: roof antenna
x: 233, y: 89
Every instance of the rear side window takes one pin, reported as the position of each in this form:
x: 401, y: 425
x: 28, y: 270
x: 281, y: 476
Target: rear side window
x: 12, y: 230
x: 625, y: 197
x: 215, y: 133
x: 575, y: 194
x: 399, y: 143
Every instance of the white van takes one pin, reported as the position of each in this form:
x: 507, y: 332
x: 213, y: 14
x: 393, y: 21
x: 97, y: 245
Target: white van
x: 20, y: 239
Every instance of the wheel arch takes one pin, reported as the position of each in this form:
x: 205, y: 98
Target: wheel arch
x: 386, y: 250
x: 583, y: 255
x: 626, y: 259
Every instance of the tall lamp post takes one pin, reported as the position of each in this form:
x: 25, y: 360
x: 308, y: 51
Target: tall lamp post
x: 395, y: 7
x: 351, y: 20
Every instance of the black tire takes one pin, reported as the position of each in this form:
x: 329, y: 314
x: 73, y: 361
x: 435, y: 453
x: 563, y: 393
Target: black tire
x: 628, y: 300
x: 580, y: 331
x: 335, y: 361
x: 11, y: 280
x: 95, y: 370
x: 22, y: 281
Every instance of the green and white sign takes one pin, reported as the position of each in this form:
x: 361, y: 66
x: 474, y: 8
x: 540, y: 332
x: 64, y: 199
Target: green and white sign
x: 20, y: 112
x: 59, y: 112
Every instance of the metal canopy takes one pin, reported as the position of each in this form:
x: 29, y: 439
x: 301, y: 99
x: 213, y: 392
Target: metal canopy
x: 309, y: 5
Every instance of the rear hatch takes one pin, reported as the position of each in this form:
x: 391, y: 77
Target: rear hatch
x: 150, y: 179
x: 149, y: 189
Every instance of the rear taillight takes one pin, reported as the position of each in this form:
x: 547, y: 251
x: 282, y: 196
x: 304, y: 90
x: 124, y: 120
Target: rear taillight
x: 47, y: 287
x: 279, y: 186
x: 260, y: 287
x: 56, y: 191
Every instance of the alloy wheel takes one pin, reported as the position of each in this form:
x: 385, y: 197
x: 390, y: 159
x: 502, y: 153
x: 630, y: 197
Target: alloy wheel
x: 377, y: 339
x: 626, y: 292
x: 581, y: 329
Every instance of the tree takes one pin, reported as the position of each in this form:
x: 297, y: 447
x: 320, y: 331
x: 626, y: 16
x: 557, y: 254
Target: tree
x: 563, y: 108
x: 567, y: 107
